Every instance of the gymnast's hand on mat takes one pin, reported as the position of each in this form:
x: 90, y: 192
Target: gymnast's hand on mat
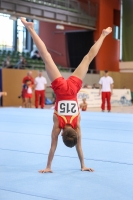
x: 28, y: 25
x: 87, y: 169
x: 106, y: 31
x: 47, y: 170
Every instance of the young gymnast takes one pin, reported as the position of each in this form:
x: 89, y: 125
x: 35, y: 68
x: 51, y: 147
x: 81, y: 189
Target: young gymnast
x: 66, y: 116
x: 28, y: 95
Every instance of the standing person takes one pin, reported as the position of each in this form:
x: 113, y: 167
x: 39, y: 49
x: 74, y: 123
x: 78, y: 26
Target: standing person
x: 40, y: 87
x: 24, y: 87
x: 106, y: 86
x: 28, y: 95
x: 66, y: 116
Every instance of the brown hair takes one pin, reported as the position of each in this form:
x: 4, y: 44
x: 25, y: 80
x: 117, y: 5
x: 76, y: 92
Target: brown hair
x: 69, y: 137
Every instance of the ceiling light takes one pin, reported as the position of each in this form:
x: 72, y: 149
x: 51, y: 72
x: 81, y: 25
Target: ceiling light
x: 60, y: 27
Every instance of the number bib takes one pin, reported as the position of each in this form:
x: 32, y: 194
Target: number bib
x: 67, y: 107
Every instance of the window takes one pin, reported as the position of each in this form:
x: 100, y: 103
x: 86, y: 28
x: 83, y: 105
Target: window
x: 21, y: 36
x: 6, y: 32
x: 116, y: 22
x: 116, y: 32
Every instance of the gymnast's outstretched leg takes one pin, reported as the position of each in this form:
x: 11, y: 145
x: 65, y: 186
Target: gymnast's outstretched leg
x: 51, y: 68
x: 82, y: 69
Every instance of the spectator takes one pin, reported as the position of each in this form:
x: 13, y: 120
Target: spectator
x: 83, y: 105
x: 35, y: 55
x: 7, y: 63
x: 40, y: 86
x: 21, y: 64
x: 28, y: 95
x: 25, y: 87
x: 106, y: 86
x: 87, y: 86
x: 94, y: 86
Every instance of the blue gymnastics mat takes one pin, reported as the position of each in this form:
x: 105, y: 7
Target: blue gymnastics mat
x: 25, y: 138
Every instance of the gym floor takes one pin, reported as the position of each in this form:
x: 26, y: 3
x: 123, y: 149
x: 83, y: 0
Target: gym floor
x: 107, y: 140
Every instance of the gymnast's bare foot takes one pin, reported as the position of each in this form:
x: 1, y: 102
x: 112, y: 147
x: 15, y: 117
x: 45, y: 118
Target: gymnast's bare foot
x: 28, y: 25
x: 47, y: 170
x: 106, y: 31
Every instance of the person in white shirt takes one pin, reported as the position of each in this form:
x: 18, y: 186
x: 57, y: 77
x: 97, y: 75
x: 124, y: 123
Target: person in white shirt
x: 40, y: 86
x: 106, y: 86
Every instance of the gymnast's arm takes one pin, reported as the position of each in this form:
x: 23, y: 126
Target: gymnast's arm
x: 80, y: 152
x: 55, y: 132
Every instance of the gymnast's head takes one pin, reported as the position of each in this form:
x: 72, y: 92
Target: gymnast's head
x: 69, y: 136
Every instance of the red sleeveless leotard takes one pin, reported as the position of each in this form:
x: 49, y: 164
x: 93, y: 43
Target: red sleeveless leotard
x: 66, y: 90
x: 63, y: 120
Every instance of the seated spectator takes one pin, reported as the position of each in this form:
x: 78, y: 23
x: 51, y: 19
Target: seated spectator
x: 21, y: 63
x: 35, y: 55
x: 87, y: 86
x: 94, y: 86
x: 7, y: 63
x: 83, y: 105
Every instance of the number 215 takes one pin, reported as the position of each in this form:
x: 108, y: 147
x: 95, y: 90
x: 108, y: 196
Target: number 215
x: 67, y: 107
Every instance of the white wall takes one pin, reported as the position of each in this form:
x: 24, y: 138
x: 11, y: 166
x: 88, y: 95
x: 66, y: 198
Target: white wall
x: 126, y: 66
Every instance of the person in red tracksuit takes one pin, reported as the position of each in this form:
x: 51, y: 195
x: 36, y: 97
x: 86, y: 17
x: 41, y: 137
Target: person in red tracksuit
x: 40, y: 87
x: 24, y: 88
x: 66, y: 116
x: 106, y: 86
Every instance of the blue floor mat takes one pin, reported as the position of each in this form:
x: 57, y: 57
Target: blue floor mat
x: 25, y: 136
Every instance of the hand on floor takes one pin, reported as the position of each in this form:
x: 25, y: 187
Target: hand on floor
x: 47, y: 170
x: 87, y: 169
